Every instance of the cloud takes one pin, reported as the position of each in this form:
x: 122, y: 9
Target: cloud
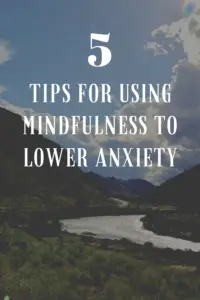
x: 2, y: 89
x: 6, y: 53
x: 185, y: 106
x: 185, y: 94
x: 156, y: 48
x: 185, y: 97
x: 184, y: 32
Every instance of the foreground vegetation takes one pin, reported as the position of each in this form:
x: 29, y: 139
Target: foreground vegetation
x: 76, y: 268
x: 38, y: 262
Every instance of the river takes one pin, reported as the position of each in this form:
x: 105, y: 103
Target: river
x: 128, y: 227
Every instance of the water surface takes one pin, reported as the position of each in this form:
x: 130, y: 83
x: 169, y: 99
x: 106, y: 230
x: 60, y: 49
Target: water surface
x: 129, y: 227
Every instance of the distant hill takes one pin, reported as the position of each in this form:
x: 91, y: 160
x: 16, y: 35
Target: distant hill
x: 114, y: 187
x: 183, y: 190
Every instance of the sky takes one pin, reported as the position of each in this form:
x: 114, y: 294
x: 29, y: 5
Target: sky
x: 155, y: 41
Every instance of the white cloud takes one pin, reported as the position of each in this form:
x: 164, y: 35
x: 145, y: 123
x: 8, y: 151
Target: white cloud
x: 6, y: 52
x: 185, y: 104
x: 2, y: 89
x: 156, y: 48
x: 185, y: 32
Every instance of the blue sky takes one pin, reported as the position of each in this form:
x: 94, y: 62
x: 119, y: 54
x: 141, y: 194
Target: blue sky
x: 50, y: 41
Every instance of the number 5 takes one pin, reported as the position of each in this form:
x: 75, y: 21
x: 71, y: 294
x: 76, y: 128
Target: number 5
x: 105, y: 52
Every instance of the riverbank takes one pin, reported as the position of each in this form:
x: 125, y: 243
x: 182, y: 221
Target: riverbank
x: 76, y: 212
x: 179, y: 225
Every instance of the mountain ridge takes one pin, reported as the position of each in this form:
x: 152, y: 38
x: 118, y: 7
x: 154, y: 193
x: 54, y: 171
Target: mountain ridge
x: 18, y: 181
x: 47, y: 182
x: 181, y: 190
x: 116, y: 187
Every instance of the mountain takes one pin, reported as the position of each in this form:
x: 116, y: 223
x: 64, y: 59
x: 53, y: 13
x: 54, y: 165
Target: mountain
x: 50, y: 186
x: 182, y: 190
x: 37, y: 186
x: 120, y: 188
